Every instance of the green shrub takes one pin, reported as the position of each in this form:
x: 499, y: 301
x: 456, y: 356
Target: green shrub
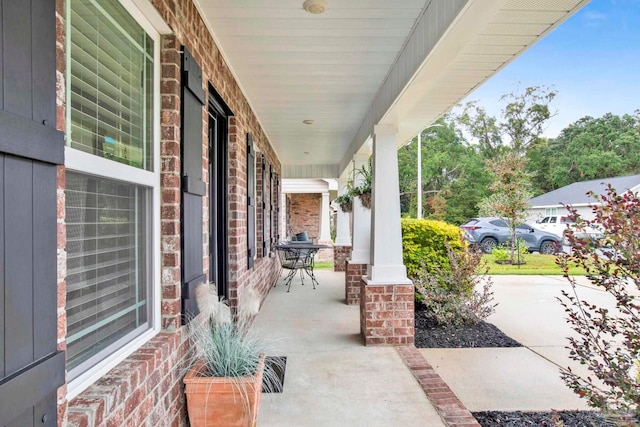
x: 454, y: 296
x: 500, y: 253
x: 424, y: 243
x: 503, y: 252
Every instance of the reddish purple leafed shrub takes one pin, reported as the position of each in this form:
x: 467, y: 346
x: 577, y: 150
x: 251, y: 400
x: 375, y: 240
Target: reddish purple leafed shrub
x: 608, y: 341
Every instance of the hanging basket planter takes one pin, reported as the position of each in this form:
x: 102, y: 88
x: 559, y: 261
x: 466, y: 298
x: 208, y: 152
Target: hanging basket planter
x: 345, y: 201
x: 365, y: 199
x: 346, y: 207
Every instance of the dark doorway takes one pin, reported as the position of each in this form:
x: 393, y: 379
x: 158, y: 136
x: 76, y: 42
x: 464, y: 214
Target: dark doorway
x: 218, y: 189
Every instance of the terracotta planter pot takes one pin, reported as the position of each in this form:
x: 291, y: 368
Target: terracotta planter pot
x: 215, y: 401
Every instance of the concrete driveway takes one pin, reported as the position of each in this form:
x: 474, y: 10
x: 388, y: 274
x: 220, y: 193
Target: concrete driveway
x: 524, y: 378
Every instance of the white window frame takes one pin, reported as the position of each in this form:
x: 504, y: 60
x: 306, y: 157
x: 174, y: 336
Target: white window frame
x: 78, y: 161
x: 550, y: 211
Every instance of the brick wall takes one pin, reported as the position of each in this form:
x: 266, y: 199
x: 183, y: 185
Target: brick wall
x: 353, y: 277
x: 170, y: 182
x: 146, y: 388
x: 386, y: 314
x: 304, y: 214
x: 340, y: 256
x: 61, y: 252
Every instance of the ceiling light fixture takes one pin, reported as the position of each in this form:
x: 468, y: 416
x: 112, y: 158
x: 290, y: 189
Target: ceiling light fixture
x: 307, y: 122
x: 315, y: 6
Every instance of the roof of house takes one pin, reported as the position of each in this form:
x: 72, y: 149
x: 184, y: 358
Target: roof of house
x: 576, y: 193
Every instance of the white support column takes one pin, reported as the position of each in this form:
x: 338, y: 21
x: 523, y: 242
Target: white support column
x: 325, y: 213
x: 386, y: 265
x: 283, y: 217
x: 343, y: 231
x: 360, y: 250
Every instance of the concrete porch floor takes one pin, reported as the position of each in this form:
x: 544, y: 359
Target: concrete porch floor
x: 331, y: 378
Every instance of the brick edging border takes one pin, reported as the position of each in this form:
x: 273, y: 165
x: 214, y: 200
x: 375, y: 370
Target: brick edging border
x: 446, y: 403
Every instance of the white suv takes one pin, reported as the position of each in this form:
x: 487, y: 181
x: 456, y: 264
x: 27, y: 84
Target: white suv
x: 558, y: 224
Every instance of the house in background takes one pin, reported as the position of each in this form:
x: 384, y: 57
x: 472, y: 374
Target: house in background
x: 577, y: 196
x: 143, y: 146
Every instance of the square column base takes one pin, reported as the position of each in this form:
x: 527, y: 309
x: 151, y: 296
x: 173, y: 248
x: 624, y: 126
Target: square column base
x: 340, y: 256
x: 387, y: 314
x: 353, y: 277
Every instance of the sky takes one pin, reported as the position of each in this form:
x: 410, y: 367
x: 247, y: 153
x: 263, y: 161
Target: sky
x: 592, y: 61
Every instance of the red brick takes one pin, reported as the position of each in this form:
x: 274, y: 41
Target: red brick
x: 116, y: 418
x: 170, y: 228
x: 134, y: 400
x: 77, y: 419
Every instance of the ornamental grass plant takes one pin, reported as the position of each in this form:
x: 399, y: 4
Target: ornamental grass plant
x: 227, y: 348
x: 227, y: 370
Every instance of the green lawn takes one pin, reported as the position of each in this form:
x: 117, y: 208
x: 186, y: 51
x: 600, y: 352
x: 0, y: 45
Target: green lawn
x: 535, y: 264
x: 322, y: 265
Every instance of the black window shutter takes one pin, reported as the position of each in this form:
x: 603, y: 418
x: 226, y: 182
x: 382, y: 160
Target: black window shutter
x: 251, y: 202
x: 272, y: 209
x: 265, y: 207
x: 277, y: 215
x: 31, y: 367
x: 193, y: 99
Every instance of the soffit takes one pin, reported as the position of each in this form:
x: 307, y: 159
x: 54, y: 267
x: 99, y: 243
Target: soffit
x: 366, y: 62
x: 295, y: 66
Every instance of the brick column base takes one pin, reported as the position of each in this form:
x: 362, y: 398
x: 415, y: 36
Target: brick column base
x: 353, y: 277
x: 387, y: 314
x: 340, y: 256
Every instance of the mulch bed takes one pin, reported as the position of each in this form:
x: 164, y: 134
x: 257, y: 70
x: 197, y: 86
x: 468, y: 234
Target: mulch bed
x: 559, y: 418
x: 428, y: 334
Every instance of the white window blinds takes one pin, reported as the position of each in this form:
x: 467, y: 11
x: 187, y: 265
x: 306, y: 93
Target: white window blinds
x: 111, y: 73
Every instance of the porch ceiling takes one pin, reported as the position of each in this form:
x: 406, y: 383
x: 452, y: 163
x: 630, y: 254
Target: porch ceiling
x: 366, y: 62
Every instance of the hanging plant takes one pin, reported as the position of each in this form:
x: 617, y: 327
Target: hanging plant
x: 363, y: 190
x: 345, y: 201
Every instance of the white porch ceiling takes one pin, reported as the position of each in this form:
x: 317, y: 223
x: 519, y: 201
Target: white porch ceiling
x: 363, y: 62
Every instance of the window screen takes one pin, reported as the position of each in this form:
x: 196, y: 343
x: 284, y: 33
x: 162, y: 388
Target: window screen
x: 107, y: 259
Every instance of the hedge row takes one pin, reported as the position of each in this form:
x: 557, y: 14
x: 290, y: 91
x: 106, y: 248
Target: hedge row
x: 423, y: 242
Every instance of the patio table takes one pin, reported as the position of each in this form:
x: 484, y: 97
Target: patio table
x: 298, y: 257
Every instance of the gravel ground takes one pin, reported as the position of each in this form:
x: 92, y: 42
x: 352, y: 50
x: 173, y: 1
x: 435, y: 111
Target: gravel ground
x: 428, y: 334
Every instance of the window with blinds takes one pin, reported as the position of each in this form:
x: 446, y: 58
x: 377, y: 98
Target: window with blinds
x: 111, y: 83
x: 107, y: 261
x: 109, y: 219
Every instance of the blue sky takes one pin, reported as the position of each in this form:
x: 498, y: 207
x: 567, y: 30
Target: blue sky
x: 592, y: 60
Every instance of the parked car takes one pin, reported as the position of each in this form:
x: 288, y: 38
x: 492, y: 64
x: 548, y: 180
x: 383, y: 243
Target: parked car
x: 488, y: 232
x: 559, y: 224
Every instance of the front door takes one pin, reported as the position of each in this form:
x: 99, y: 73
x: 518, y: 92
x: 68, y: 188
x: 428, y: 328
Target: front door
x: 218, y: 176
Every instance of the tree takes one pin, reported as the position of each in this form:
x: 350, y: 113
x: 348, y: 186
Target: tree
x: 523, y: 120
x: 505, y: 144
x: 511, y: 192
x: 453, y: 175
x: 590, y: 148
